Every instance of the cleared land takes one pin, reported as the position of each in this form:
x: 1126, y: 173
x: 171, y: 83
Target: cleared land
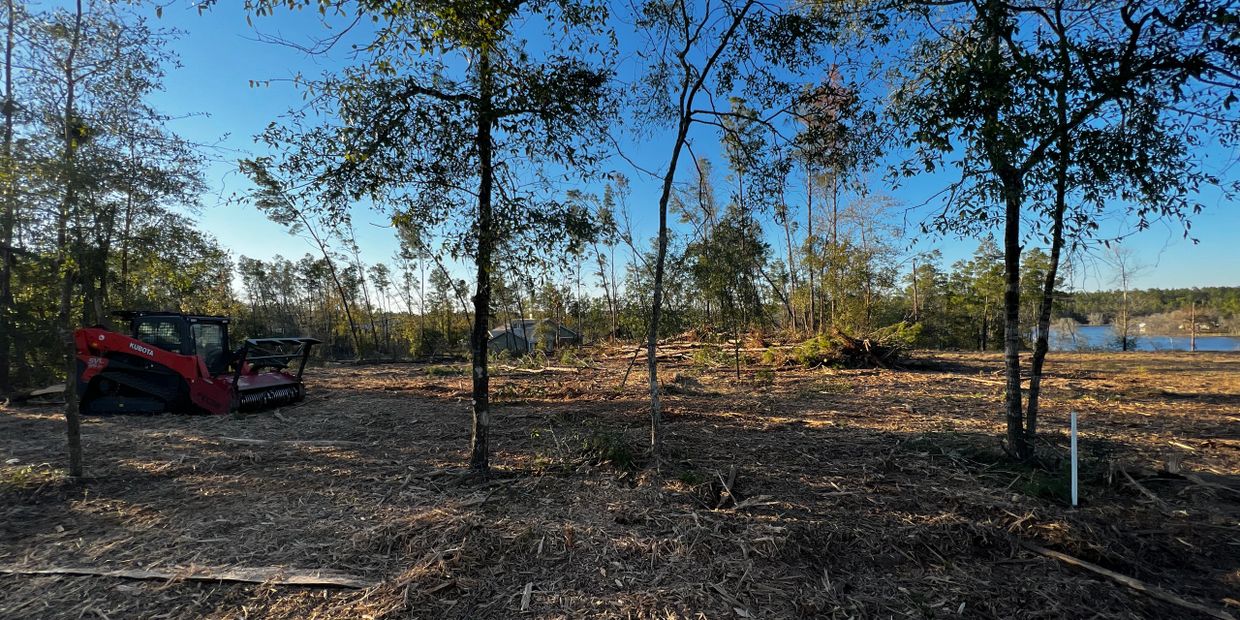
x: 867, y: 493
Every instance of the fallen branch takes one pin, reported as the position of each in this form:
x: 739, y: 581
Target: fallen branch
x: 516, y: 370
x: 727, y: 494
x: 1196, y: 479
x: 269, y: 575
x: 1135, y: 584
x: 290, y: 442
x: 1144, y: 491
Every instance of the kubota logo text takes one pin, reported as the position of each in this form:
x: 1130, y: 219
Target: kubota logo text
x: 142, y: 349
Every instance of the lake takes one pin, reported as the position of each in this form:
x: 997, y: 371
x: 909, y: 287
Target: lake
x: 1102, y: 337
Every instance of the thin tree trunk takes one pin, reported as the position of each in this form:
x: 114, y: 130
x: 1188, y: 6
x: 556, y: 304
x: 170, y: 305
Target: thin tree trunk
x: 64, y: 263
x: 103, y: 242
x: 691, y: 84
x: 1124, y: 316
x: 608, y: 293
x: 1192, y: 330
x: 9, y: 217
x: 983, y: 337
x: 422, y: 304
x: 745, y: 273
x: 478, y: 459
x: 792, y: 269
x: 835, y: 245
x: 344, y: 298
x: 916, y: 314
x: 1041, y: 346
x: 361, y: 278
x: 656, y: 305
x: 126, y: 231
x: 809, y: 236
x: 615, y: 291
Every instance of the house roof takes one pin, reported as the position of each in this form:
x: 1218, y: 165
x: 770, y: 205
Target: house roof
x: 527, y: 328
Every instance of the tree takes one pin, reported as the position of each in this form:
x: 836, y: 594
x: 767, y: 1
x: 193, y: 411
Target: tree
x: 720, y: 264
x: 835, y: 144
x: 1124, y: 267
x: 699, y: 54
x: 8, y: 198
x: 1071, y: 108
x: 445, y: 105
x: 272, y: 197
x: 89, y: 65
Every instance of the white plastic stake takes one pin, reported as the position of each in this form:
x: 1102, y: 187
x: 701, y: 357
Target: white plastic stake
x: 1073, y: 434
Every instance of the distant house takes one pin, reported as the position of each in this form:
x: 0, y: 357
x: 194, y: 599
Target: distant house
x: 528, y: 335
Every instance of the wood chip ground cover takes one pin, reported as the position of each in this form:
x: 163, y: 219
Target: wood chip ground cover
x: 857, y: 493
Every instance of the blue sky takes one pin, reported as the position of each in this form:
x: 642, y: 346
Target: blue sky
x: 211, y: 92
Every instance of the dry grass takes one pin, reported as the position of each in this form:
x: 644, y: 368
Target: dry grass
x: 858, y: 494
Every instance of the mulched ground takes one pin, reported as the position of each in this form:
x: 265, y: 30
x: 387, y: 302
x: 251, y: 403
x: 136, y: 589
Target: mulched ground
x: 866, y: 493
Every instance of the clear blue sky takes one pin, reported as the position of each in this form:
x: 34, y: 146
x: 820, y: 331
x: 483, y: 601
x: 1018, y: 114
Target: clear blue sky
x: 220, y: 55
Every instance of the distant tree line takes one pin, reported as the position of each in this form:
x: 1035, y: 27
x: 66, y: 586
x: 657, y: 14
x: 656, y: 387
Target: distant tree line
x: 1215, y: 308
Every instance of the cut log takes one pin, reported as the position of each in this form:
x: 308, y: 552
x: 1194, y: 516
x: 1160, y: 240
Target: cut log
x: 270, y: 575
x: 1135, y: 584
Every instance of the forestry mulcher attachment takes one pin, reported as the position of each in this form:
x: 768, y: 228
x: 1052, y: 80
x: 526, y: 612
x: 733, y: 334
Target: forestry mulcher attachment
x: 180, y: 362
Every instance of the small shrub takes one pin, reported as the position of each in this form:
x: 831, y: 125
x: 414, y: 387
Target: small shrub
x: 817, y: 351
x: 444, y: 371
x: 775, y: 357
x: 691, y: 477
x: 18, y: 477
x: 572, y: 357
x: 533, y: 360
x: 764, y: 376
x: 709, y: 356
x: 833, y: 387
x: 27, y: 476
x: 609, y: 448
x: 1050, y: 485
x: 682, y: 383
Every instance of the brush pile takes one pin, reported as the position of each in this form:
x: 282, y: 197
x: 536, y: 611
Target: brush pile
x: 881, y: 348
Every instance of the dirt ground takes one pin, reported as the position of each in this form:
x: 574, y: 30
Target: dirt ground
x: 864, y: 493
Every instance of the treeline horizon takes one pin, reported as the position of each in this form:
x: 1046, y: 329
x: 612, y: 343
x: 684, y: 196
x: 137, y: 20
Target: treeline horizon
x: 417, y: 313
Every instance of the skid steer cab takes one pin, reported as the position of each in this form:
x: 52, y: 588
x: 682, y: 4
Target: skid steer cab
x: 169, y: 361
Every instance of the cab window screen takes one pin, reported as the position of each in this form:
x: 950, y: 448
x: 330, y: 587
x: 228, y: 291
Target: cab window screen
x: 209, y: 341
x: 163, y: 333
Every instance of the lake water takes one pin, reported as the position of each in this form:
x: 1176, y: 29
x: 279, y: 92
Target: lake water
x: 1102, y: 337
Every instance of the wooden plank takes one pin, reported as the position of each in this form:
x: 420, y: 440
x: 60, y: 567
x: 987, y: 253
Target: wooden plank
x: 1135, y: 584
x: 270, y: 575
x: 50, y: 390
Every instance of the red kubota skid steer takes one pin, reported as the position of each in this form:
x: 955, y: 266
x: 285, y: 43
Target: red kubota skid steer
x: 180, y: 362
